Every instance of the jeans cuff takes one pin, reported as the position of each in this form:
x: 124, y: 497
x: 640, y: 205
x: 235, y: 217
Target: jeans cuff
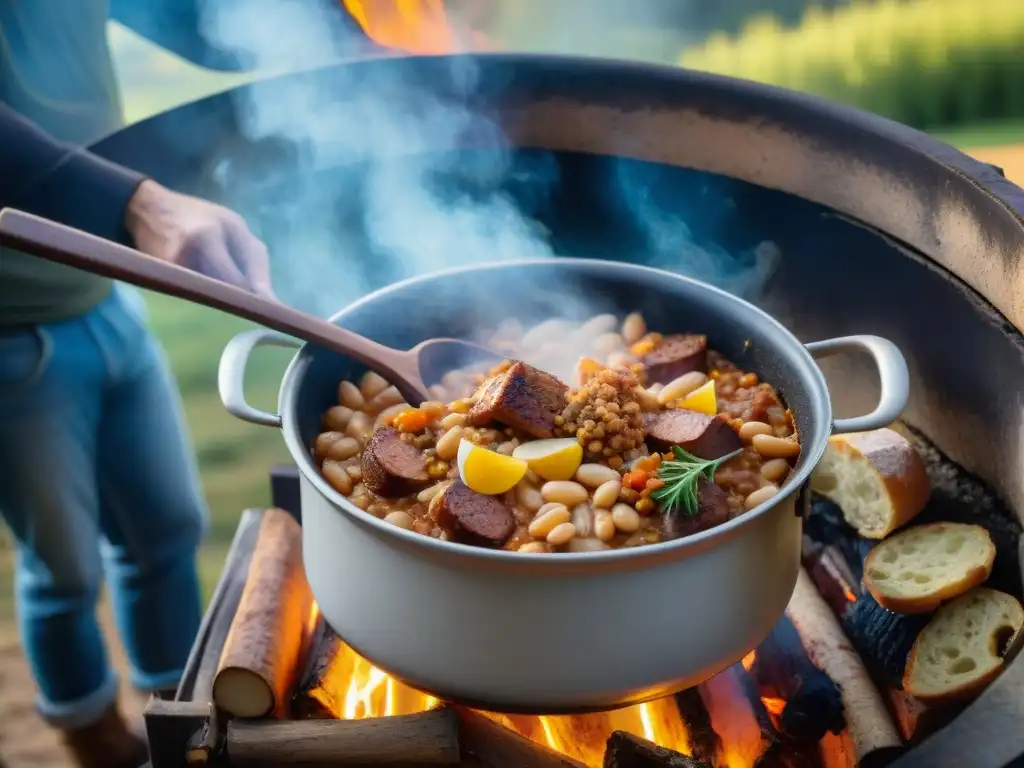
x: 71, y: 715
x: 160, y: 681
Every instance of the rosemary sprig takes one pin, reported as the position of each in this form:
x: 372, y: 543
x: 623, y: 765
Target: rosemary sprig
x: 681, y: 478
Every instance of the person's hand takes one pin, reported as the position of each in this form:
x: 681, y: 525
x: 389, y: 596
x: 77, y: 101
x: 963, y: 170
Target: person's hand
x: 200, y: 235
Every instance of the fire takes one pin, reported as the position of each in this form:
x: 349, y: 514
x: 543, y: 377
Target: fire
x: 414, y: 26
x: 369, y: 692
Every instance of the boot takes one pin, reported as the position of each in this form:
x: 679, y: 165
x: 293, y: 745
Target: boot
x: 107, y: 743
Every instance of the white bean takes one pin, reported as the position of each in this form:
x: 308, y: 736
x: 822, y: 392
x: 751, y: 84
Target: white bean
x: 528, y: 497
x: 604, y: 525
x: 549, y: 329
x: 607, y: 494
x: 760, y: 496
x: 583, y: 519
x: 323, y: 442
x: 400, y: 519
x: 564, y: 492
x: 350, y: 396
x: 772, y: 447
x: 598, y: 324
x: 625, y: 518
x: 337, y: 417
x: 606, y: 344
x: 542, y: 525
x: 453, y: 420
x: 773, y: 471
x: 389, y: 397
x: 548, y: 507
x: 586, y: 545
x: 345, y: 448
x: 752, y: 428
x: 372, y: 384
x: 433, y: 408
x: 536, y: 547
x: 359, y: 425
x: 561, y: 534
x: 447, y: 446
x: 681, y: 387
x: 633, y: 327
x: 595, y: 475
x: 335, y: 474
x: 648, y: 400
x: 427, y: 494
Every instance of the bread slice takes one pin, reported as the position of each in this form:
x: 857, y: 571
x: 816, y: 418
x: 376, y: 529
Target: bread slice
x: 963, y: 648
x: 921, y: 567
x: 876, y: 478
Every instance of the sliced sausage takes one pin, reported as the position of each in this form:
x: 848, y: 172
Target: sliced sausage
x: 676, y: 355
x: 709, y: 437
x: 471, y: 517
x: 712, y: 510
x: 391, y: 467
x: 522, y: 397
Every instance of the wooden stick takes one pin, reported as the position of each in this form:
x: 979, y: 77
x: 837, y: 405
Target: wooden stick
x: 320, y: 695
x: 741, y: 729
x: 868, y: 724
x: 263, y: 647
x: 704, y: 742
x: 429, y: 737
x: 624, y: 750
x: 492, y: 745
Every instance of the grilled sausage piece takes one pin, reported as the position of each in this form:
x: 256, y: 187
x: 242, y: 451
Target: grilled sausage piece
x: 390, y: 467
x: 712, y: 510
x: 523, y: 397
x: 471, y: 517
x: 676, y: 355
x: 709, y: 437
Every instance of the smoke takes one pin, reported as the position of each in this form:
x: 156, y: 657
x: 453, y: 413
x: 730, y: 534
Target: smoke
x: 333, y: 240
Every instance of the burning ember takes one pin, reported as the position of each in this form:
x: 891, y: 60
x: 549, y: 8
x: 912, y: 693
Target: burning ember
x: 414, y: 26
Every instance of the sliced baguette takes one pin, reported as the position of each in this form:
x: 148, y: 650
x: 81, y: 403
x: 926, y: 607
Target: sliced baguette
x: 921, y: 567
x: 963, y: 647
x: 876, y: 478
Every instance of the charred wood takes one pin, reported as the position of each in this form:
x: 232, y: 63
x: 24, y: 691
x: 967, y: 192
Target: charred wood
x: 319, y: 695
x: 704, y: 742
x: 826, y: 526
x: 624, y: 750
x: 811, y: 703
x: 782, y: 752
x: 869, y: 728
x: 882, y: 638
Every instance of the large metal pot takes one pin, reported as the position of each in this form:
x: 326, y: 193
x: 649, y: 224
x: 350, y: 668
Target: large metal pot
x: 549, y: 633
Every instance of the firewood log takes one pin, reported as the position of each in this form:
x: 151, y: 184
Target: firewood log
x: 492, y: 745
x: 868, y: 725
x: 429, y: 737
x: 704, y: 742
x: 320, y: 695
x: 261, y: 655
x: 624, y: 750
x: 743, y: 729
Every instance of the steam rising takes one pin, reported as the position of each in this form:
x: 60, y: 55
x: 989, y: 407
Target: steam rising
x: 400, y: 142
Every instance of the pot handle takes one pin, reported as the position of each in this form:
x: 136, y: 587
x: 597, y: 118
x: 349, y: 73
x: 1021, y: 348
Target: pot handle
x: 231, y: 373
x: 892, y: 373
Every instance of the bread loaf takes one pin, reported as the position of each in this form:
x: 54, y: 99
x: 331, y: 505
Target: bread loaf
x: 921, y: 567
x: 963, y: 647
x: 876, y: 478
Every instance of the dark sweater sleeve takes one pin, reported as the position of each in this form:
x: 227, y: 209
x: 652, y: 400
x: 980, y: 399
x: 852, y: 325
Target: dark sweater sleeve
x: 40, y: 175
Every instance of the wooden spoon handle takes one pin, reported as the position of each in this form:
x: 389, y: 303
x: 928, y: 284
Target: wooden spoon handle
x: 56, y: 242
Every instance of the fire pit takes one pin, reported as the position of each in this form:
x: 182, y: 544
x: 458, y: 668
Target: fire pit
x: 830, y: 219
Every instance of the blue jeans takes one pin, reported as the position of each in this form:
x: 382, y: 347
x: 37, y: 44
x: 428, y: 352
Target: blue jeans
x: 97, y: 478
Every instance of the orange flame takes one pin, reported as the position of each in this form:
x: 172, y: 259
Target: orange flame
x: 366, y: 692
x: 414, y: 26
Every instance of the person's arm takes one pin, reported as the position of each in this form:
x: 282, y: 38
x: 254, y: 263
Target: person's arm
x: 40, y: 175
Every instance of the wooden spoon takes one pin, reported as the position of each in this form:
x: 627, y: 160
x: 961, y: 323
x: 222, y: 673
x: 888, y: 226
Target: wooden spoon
x: 407, y: 370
